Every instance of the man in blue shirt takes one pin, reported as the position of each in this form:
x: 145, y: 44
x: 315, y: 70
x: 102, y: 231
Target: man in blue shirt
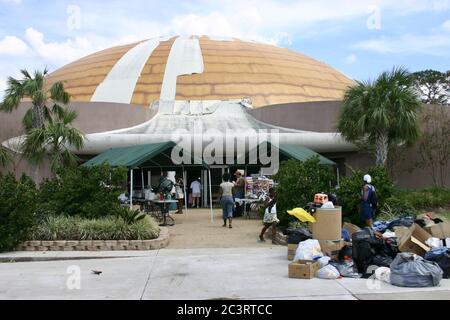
x: 368, y: 201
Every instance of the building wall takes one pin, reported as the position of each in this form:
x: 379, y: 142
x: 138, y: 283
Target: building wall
x: 322, y: 117
x: 92, y: 117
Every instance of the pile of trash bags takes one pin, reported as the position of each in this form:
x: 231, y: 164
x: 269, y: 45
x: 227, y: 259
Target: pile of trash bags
x: 373, y: 252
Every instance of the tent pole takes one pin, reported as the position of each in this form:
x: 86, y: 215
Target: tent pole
x: 142, y: 177
x: 184, y: 190
x: 210, y: 196
x: 131, y: 190
x: 337, y: 176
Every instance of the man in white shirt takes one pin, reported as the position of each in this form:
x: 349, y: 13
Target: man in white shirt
x: 196, y: 192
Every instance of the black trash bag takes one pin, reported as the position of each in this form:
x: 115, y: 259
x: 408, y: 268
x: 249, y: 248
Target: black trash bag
x: 409, y: 270
x: 346, y: 251
x: 421, y: 222
x: 382, y: 260
x: 401, y: 222
x: 442, y: 259
x: 390, y: 248
x: 297, y: 235
x: 366, y: 247
x: 363, y: 252
x: 333, y: 198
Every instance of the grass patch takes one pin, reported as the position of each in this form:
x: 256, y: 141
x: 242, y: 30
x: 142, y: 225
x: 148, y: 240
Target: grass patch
x: 107, y: 228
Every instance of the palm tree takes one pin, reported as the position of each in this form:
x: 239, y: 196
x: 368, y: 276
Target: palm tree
x: 34, y: 89
x: 5, y: 157
x: 55, y: 140
x: 382, y: 113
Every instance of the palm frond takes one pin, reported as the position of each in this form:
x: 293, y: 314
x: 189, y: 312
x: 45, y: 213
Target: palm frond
x: 5, y: 157
x: 58, y: 93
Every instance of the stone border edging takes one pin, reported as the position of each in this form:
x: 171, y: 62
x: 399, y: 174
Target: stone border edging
x: 97, y: 245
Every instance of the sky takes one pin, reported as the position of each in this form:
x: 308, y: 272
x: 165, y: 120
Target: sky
x: 357, y: 37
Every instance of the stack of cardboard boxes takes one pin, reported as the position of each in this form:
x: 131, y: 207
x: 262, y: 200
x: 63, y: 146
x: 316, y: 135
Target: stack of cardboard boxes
x: 328, y: 231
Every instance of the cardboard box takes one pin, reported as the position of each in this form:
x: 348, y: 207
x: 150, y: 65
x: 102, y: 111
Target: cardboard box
x: 351, y: 228
x: 328, y: 224
x: 331, y: 248
x: 303, y: 269
x: 439, y: 230
x: 292, y: 248
x: 412, y: 240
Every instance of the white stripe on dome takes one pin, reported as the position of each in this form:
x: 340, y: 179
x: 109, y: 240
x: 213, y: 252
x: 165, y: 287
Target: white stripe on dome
x: 120, y: 82
x: 185, y: 57
x: 220, y: 38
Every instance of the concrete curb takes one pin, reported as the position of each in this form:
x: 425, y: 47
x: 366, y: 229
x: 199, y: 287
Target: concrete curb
x: 96, y: 245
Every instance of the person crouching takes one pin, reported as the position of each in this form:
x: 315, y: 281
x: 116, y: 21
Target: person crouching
x: 270, y: 216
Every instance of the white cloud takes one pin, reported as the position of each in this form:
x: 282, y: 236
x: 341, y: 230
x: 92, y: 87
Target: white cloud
x: 351, y: 58
x: 2, y: 87
x: 446, y: 26
x: 11, y: 1
x: 435, y: 44
x: 60, y: 52
x: 11, y: 45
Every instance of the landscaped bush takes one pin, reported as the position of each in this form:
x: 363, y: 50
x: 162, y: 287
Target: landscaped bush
x: 90, y: 192
x: 349, y: 192
x: 394, y: 207
x: 17, y: 207
x: 106, y: 228
x: 298, y: 182
x: 426, y: 199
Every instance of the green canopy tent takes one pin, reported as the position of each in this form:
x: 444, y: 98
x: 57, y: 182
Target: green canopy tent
x: 156, y: 155
x: 285, y: 151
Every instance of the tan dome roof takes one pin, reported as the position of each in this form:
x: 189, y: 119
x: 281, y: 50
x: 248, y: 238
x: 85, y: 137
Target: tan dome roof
x: 231, y: 69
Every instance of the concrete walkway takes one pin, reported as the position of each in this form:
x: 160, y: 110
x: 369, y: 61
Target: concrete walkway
x: 208, y: 273
x: 194, y: 229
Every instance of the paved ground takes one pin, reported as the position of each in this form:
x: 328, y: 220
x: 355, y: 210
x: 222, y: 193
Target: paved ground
x: 210, y: 273
x: 203, y: 261
x: 194, y: 229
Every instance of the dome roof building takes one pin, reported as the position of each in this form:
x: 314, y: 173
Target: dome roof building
x: 200, y: 68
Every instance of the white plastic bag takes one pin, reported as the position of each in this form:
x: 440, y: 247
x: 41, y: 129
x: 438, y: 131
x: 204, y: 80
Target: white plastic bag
x: 328, y: 272
x: 324, y: 261
x: 308, y: 250
x: 434, y: 242
x: 328, y: 205
x: 383, y: 274
x: 389, y: 234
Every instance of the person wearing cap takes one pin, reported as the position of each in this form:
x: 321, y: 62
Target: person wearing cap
x: 367, y: 201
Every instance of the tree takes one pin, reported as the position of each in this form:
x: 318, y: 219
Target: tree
x: 298, y: 182
x: 35, y: 89
x: 5, y: 157
x: 434, y: 86
x: 382, y: 113
x: 434, y: 145
x: 55, y: 140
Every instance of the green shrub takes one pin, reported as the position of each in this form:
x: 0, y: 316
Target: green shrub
x: 394, y: 207
x: 426, y: 199
x: 87, y: 191
x: 298, y: 182
x: 349, y: 191
x: 129, y: 216
x: 17, y: 208
x: 106, y: 228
